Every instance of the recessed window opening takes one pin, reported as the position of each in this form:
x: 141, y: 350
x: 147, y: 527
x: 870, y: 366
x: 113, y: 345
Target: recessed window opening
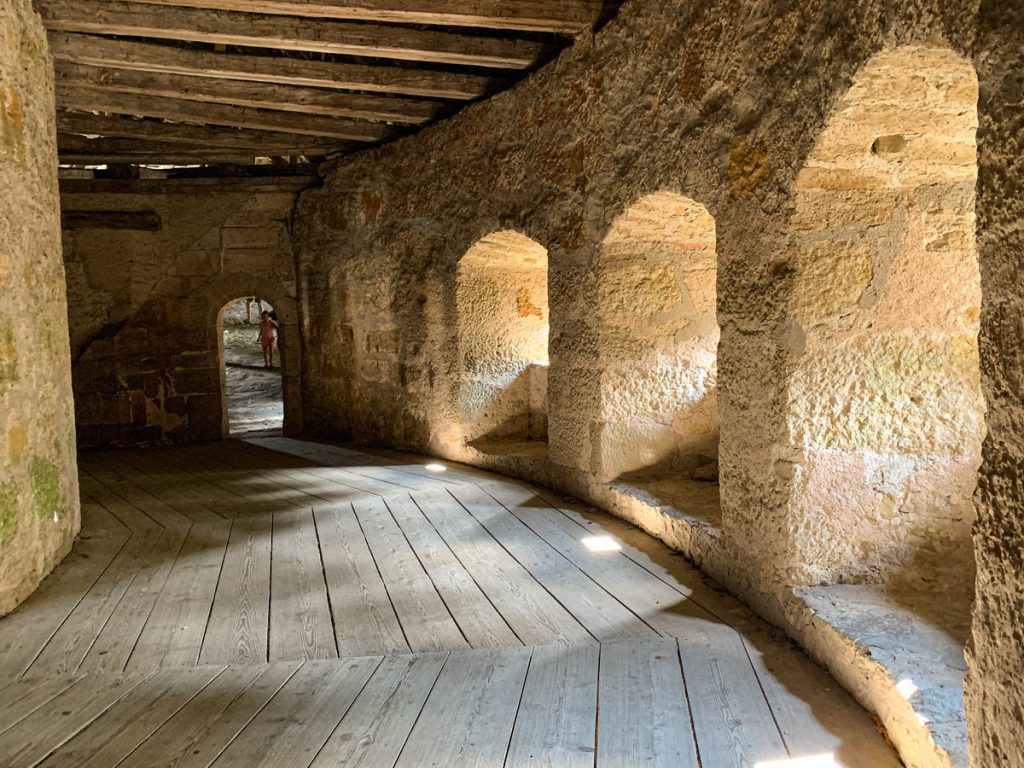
x: 502, y: 297
x: 658, y: 425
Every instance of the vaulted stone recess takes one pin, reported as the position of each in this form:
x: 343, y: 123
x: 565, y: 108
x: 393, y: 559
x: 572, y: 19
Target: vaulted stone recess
x: 581, y: 383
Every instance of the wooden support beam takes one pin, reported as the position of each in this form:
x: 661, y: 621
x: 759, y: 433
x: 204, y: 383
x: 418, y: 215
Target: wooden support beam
x: 113, y: 17
x: 152, y: 158
x: 82, y: 99
x: 201, y: 135
x: 72, y: 144
x: 155, y: 57
x: 558, y: 16
x: 289, y: 98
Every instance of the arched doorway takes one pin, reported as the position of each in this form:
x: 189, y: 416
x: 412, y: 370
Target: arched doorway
x: 502, y: 305
x: 253, y: 392
x: 658, y: 424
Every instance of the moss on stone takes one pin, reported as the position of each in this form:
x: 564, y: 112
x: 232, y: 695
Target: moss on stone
x: 8, y: 354
x: 8, y: 511
x: 45, y: 486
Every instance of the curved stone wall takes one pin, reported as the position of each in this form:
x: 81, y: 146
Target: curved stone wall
x: 722, y: 103
x: 39, y: 508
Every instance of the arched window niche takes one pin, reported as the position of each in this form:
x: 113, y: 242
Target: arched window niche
x: 885, y: 414
x: 658, y: 425
x: 502, y: 304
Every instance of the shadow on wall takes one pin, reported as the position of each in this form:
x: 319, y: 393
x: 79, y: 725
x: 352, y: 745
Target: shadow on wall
x: 522, y: 401
x: 502, y: 305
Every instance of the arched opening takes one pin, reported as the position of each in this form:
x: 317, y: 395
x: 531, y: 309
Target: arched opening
x: 658, y: 425
x: 251, y: 365
x: 502, y: 304
x: 885, y: 414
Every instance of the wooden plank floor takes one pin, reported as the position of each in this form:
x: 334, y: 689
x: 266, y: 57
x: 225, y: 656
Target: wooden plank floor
x: 285, y: 603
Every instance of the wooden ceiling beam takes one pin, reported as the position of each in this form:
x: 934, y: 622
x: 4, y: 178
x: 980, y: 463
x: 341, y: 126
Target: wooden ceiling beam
x: 73, y: 144
x: 154, y: 57
x: 159, y: 158
x: 82, y: 99
x: 289, y: 98
x: 557, y: 16
x: 113, y: 17
x: 111, y: 126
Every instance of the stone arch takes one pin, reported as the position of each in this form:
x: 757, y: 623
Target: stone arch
x: 657, y: 343
x: 210, y: 303
x: 885, y: 414
x: 502, y: 310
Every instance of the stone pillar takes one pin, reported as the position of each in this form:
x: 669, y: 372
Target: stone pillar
x: 39, y: 507
x: 995, y: 679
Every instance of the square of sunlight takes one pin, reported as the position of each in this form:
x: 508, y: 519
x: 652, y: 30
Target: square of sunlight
x: 827, y: 760
x: 601, y: 545
x: 435, y: 467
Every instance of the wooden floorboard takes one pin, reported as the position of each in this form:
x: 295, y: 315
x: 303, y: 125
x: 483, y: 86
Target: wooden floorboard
x: 660, y: 606
x: 733, y: 722
x: 377, y: 726
x: 357, y: 464
x: 188, y: 493
x: 300, y: 613
x: 326, y: 468
x: 207, y: 724
x: 425, y: 619
x: 19, y: 700
x: 173, y: 634
x: 364, y: 618
x: 299, y: 719
x: 814, y: 715
x: 479, y: 620
x: 201, y: 614
x: 534, y: 615
x: 557, y: 720
x: 68, y: 647
x: 599, y: 611
x: 121, y: 729
x: 329, y: 483
x: 468, y: 717
x: 238, y: 628
x: 25, y: 632
x: 164, y: 498
x: 59, y: 720
x: 644, y: 719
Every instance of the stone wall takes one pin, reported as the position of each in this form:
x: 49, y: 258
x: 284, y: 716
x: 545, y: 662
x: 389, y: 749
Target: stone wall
x: 39, y: 510
x: 995, y: 682
x: 150, y: 265
x: 724, y: 104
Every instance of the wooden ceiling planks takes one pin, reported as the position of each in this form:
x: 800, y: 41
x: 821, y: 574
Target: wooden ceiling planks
x: 283, y: 77
x: 288, y: 98
x: 286, y: 33
x: 156, y: 57
x: 567, y: 17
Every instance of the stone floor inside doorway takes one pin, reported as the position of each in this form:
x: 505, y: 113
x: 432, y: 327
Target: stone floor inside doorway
x: 274, y: 602
x: 254, y: 393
